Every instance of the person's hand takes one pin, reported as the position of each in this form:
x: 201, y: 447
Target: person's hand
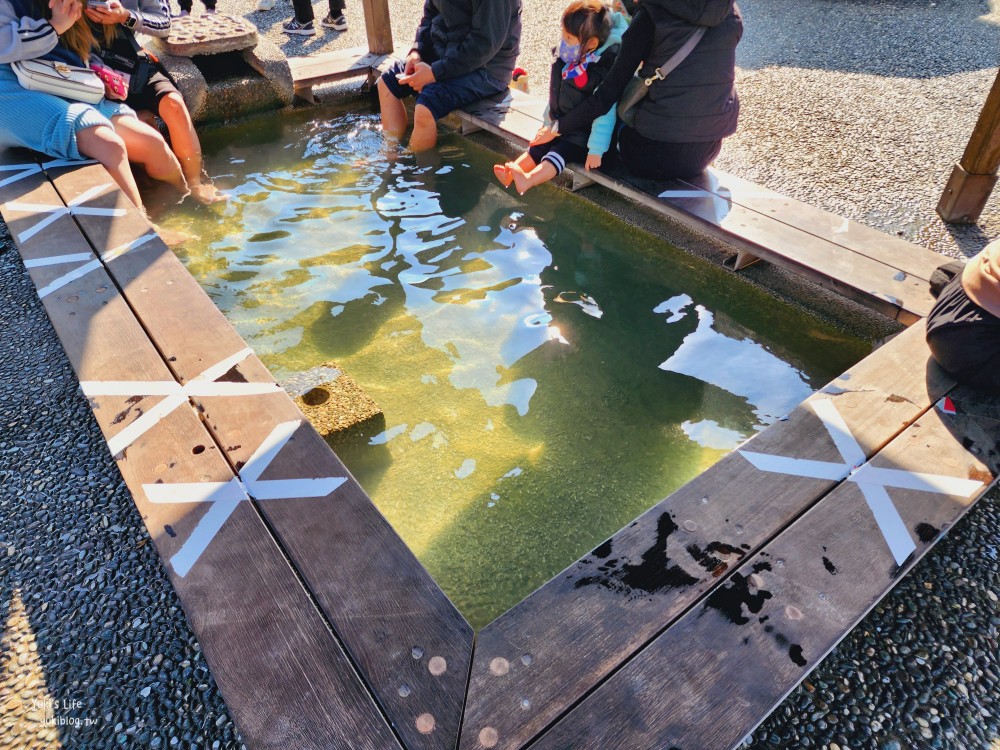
x: 115, y: 14
x: 64, y: 14
x: 421, y: 76
x: 544, y: 135
x: 411, y: 63
x: 593, y: 162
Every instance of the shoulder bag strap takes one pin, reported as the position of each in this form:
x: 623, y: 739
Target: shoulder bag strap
x: 678, y: 57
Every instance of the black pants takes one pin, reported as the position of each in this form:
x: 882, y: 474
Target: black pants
x: 187, y: 5
x: 964, y: 338
x: 304, y: 9
x: 658, y: 160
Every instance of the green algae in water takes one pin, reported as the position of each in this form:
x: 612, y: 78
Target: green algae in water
x: 547, y: 372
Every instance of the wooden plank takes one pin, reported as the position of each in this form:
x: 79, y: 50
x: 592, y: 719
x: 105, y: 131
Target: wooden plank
x: 538, y: 659
x: 252, y: 618
x: 313, y: 70
x: 408, y: 641
x: 869, y: 282
x: 377, y: 26
x: 787, y: 607
x: 904, y: 256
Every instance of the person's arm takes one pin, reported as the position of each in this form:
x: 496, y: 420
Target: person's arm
x: 152, y: 18
x: 490, y: 22
x: 24, y: 38
x: 600, y: 133
x: 637, y: 41
x: 422, y: 42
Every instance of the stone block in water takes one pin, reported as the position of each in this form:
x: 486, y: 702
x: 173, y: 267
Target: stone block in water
x: 331, y: 400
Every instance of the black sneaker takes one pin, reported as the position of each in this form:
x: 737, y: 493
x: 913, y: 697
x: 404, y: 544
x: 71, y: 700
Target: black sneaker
x: 337, y: 24
x: 301, y: 29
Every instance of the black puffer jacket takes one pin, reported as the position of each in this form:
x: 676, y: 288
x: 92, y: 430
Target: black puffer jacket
x: 565, y: 96
x: 459, y: 36
x: 697, y: 102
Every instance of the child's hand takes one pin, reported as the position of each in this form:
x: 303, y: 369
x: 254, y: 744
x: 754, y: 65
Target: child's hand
x: 544, y: 135
x: 593, y: 162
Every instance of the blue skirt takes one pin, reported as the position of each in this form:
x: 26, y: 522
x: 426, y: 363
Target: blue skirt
x: 48, y: 123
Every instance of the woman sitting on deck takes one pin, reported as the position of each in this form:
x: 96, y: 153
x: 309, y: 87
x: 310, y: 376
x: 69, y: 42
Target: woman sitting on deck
x: 107, y: 131
x: 157, y: 95
x: 680, y: 124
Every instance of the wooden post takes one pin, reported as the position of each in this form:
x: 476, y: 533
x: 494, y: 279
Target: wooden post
x: 973, y: 178
x: 377, y: 26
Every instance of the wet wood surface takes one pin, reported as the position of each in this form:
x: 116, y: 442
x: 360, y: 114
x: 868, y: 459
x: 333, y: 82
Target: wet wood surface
x: 247, y: 608
x: 538, y: 659
x: 786, y: 607
x: 329, y: 67
x: 404, y: 636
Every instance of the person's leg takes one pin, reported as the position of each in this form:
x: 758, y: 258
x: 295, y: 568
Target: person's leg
x: 106, y: 146
x: 553, y: 162
x: 186, y: 146
x: 425, y: 131
x: 146, y: 147
x: 390, y: 99
x: 336, y: 20
x: 185, y: 6
x: 525, y: 162
x: 302, y: 22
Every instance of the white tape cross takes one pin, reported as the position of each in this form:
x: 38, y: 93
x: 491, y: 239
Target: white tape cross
x: 73, y: 208
x: 226, y: 496
x: 176, y: 394
x: 26, y: 170
x: 871, y: 480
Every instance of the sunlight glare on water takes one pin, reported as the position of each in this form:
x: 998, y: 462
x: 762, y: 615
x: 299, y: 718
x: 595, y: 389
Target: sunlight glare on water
x: 546, y: 371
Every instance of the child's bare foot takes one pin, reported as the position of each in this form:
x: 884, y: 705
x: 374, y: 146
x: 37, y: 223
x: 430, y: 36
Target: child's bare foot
x: 504, y: 174
x: 521, y: 181
x: 207, y: 194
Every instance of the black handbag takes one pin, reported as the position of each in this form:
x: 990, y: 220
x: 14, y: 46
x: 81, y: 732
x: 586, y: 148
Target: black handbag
x: 638, y: 87
x: 127, y: 56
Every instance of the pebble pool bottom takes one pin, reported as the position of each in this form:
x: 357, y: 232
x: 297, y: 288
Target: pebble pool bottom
x: 547, y: 372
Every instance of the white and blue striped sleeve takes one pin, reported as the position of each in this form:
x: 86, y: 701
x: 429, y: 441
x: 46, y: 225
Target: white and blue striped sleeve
x: 24, y: 38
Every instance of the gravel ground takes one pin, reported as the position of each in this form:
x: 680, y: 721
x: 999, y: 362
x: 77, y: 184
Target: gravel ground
x: 859, y: 108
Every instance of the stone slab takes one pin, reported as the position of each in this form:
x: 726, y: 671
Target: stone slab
x: 331, y: 399
x: 209, y: 35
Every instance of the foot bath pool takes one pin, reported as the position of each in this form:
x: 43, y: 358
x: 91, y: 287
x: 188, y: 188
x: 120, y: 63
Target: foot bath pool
x: 546, y: 371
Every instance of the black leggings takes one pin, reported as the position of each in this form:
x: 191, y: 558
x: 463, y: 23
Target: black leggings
x: 658, y: 160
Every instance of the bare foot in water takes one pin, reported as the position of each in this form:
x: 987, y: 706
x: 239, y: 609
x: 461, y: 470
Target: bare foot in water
x: 504, y: 174
x: 171, y: 237
x: 206, y: 194
x: 521, y: 181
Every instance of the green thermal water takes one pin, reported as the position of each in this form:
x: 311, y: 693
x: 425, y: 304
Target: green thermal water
x: 547, y: 372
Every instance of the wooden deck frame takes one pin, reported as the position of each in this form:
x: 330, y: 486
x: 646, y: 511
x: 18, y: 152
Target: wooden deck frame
x: 548, y: 671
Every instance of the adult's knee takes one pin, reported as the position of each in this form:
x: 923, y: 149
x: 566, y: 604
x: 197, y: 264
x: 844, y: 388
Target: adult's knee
x: 423, y: 118
x: 101, y: 143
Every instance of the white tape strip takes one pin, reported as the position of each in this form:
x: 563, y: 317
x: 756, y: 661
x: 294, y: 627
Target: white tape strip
x: 217, y: 371
x: 202, y: 388
x: 912, y: 480
x: 847, y: 446
x: 130, y: 388
x: 270, y: 448
x: 56, y: 260
x: 195, y: 492
x: 134, y: 431
x: 119, y: 251
x: 55, y: 212
x: 65, y: 279
x: 279, y: 489
x: 209, y: 525
x: 889, y: 523
x: 799, y: 467
x: 23, y: 170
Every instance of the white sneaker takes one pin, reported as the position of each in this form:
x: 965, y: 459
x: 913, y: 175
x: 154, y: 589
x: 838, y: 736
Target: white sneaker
x: 265, y: 4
